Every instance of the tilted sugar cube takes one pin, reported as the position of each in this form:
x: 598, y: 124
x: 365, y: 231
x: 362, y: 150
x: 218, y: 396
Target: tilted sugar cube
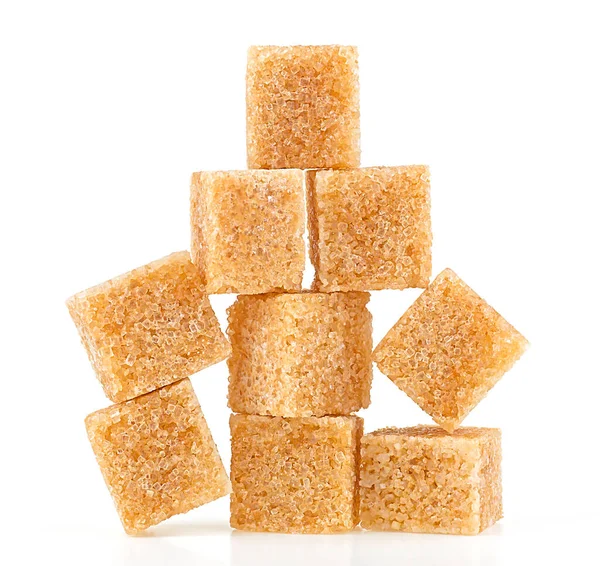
x: 157, y: 456
x: 448, y: 350
x: 149, y: 327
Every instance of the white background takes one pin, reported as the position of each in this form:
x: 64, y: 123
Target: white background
x: 107, y: 108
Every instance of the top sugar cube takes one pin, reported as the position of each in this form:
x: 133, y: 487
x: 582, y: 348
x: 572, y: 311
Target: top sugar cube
x: 149, y: 327
x: 302, y: 107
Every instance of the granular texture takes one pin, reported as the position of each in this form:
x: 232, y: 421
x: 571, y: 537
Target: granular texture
x: 157, y: 456
x: 302, y: 354
x: 294, y: 475
x: 149, y: 327
x: 302, y: 107
x: 247, y: 230
x: 424, y: 480
x: 370, y: 228
x: 448, y: 350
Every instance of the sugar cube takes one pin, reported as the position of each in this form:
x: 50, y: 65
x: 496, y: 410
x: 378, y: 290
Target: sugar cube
x: 300, y: 354
x: 424, y: 480
x: 294, y: 475
x: 157, y: 456
x: 149, y: 327
x: 247, y: 230
x: 302, y: 107
x: 448, y: 350
x: 370, y: 228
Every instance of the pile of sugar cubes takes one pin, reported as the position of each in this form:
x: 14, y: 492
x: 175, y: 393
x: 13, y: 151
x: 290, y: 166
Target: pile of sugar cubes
x: 300, y: 361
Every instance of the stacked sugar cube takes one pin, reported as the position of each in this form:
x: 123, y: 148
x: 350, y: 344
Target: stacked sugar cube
x: 300, y: 362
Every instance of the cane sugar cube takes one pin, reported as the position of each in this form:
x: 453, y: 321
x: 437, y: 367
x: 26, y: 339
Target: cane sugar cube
x: 300, y: 354
x: 247, y: 230
x: 302, y: 107
x: 149, y: 327
x: 370, y: 228
x: 448, y: 350
x: 157, y: 456
x: 424, y: 480
x: 294, y: 475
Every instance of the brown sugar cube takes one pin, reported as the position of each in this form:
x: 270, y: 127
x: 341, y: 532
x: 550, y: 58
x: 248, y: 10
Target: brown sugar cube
x: 247, y: 230
x: 448, y: 350
x: 302, y: 107
x: 301, y: 354
x: 294, y: 475
x: 149, y: 327
x: 157, y: 456
x: 424, y: 480
x: 370, y: 228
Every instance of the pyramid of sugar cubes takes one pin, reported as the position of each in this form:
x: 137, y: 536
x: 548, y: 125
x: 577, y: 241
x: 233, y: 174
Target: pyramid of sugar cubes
x: 300, y: 361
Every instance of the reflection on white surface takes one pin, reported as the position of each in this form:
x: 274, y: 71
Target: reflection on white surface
x: 397, y: 548
x: 140, y: 551
x: 362, y: 548
x: 292, y: 550
x: 181, y: 528
x: 185, y: 542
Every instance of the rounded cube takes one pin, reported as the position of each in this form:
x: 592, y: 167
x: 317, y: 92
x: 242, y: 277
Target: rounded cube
x: 301, y: 354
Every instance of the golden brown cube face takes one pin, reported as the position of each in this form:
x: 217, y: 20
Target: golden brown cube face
x: 424, y: 480
x: 302, y: 107
x: 157, y: 456
x: 294, y: 475
x: 370, y: 228
x: 448, y: 350
x: 301, y: 354
x: 247, y: 230
x: 149, y: 327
